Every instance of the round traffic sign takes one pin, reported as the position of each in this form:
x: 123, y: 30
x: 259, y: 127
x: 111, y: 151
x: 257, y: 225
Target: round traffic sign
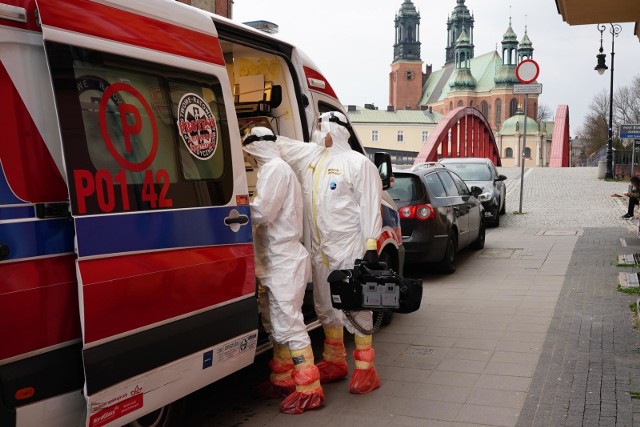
x: 527, y: 71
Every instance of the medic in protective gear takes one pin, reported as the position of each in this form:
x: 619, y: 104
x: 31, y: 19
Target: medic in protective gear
x: 282, y: 266
x: 342, y: 195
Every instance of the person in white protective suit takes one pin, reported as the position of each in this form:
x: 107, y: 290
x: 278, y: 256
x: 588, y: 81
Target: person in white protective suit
x: 342, y: 193
x: 282, y: 266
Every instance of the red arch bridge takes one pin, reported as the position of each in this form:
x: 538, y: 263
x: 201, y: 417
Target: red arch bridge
x: 465, y: 132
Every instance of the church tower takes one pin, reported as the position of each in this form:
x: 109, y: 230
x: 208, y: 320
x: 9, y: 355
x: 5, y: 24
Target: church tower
x: 507, y: 74
x: 525, y: 50
x: 460, y: 20
x: 405, y: 79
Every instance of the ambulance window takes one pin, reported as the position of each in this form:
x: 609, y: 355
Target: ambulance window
x: 139, y: 136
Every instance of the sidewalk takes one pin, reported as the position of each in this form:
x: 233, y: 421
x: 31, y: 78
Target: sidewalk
x: 531, y: 330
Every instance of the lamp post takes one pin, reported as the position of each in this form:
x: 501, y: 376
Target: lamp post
x: 601, y: 68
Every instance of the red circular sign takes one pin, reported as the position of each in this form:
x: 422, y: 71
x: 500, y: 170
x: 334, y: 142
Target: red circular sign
x: 123, y: 109
x: 527, y: 71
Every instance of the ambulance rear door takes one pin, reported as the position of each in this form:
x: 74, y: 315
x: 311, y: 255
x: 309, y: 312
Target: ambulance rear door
x: 159, y: 201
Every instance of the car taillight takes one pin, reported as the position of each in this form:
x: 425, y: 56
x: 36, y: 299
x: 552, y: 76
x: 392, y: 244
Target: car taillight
x: 421, y: 212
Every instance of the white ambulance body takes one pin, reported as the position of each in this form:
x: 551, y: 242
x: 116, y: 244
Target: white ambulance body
x: 126, y: 257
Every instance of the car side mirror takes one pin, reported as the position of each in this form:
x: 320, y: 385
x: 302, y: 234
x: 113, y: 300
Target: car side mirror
x: 501, y: 178
x: 476, y: 191
x: 382, y: 161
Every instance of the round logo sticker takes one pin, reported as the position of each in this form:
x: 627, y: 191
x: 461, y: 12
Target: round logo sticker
x: 197, y: 126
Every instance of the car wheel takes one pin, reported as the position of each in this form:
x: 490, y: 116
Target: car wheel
x: 168, y: 416
x: 479, y: 242
x: 448, y: 263
x: 504, y: 208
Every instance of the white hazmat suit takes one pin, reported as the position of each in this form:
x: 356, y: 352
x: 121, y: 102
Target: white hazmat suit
x: 283, y: 268
x: 342, y: 194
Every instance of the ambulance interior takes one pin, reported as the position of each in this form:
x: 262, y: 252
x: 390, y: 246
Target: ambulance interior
x: 263, y: 95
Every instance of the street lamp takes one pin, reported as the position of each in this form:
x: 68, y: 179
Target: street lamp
x: 601, y: 67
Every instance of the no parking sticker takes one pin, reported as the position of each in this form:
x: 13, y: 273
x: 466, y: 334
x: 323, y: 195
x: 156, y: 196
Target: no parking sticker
x: 197, y: 126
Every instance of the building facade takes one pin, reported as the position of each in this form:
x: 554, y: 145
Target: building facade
x: 401, y: 133
x: 514, y: 147
x: 219, y: 7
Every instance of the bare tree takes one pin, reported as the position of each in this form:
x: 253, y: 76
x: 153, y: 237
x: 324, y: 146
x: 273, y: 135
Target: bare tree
x: 595, y: 129
x: 626, y: 103
x: 544, y: 113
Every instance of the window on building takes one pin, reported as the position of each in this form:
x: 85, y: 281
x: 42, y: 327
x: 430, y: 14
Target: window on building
x: 425, y: 136
x: 450, y: 105
x: 484, y: 108
x: 498, y: 113
x: 400, y: 137
x: 374, y: 136
x: 527, y: 152
x: 508, y: 153
x: 460, y: 103
x: 513, y: 107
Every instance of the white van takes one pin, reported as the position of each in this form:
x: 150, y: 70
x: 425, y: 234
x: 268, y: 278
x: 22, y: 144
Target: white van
x: 126, y: 258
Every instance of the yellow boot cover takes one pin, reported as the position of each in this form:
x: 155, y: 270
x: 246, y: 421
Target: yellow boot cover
x: 365, y: 378
x: 334, y: 364
x: 309, y: 393
x: 280, y: 382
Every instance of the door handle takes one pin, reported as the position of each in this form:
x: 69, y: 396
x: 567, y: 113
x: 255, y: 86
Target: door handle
x: 235, y: 220
x: 242, y: 220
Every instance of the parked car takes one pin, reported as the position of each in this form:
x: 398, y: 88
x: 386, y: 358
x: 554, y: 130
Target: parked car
x: 481, y: 172
x: 439, y: 215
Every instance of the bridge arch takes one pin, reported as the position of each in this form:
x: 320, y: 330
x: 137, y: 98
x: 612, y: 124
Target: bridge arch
x: 560, y: 139
x: 464, y: 132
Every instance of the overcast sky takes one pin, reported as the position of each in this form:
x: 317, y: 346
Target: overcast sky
x: 352, y: 43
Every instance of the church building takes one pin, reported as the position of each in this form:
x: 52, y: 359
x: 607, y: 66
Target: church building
x: 485, y: 81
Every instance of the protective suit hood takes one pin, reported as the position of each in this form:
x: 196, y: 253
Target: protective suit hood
x: 262, y: 150
x: 335, y: 124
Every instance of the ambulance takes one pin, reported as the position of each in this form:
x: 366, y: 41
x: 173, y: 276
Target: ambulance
x: 126, y: 252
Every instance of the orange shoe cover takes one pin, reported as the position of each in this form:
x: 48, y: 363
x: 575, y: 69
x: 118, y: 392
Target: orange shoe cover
x: 333, y: 367
x: 332, y: 371
x: 280, y: 383
x: 308, y: 395
x: 365, y: 378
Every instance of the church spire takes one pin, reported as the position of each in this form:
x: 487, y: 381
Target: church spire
x: 407, y: 44
x: 525, y: 50
x: 459, y: 20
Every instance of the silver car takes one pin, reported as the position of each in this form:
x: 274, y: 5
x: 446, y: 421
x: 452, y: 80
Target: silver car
x: 481, y: 172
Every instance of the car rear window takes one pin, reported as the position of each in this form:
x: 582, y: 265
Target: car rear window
x: 407, y: 188
x: 471, y: 171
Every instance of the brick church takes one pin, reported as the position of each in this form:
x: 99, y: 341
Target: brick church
x: 485, y: 81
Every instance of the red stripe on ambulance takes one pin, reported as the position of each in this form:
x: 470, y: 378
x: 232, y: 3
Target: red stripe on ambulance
x: 129, y: 292
x: 39, y: 298
x: 87, y: 17
x: 30, y: 171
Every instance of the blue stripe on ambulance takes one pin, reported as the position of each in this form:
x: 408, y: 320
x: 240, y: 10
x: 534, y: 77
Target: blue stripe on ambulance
x: 6, y: 195
x: 17, y: 212
x: 113, y: 234
x: 37, y: 238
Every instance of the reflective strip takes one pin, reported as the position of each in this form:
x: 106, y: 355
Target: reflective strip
x: 314, y: 209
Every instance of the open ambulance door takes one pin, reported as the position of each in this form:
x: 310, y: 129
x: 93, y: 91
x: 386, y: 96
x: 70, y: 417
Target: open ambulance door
x: 159, y: 200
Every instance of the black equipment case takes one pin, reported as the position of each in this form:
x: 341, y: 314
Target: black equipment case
x: 374, y: 287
